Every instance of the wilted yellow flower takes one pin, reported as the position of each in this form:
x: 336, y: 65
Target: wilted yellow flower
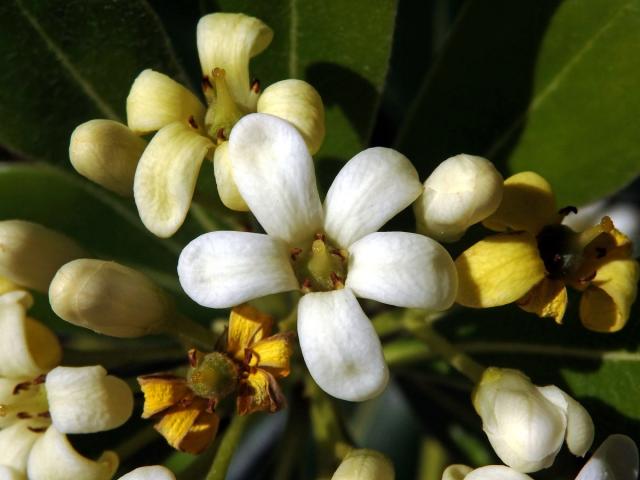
x: 536, y: 257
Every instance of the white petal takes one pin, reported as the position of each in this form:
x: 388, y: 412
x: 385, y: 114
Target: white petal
x: 223, y: 269
x: 155, y: 100
x: 30, y: 254
x: 496, y: 472
x: 227, y: 188
x: 153, y: 472
x: 340, y: 347
x: 299, y: 103
x: 228, y: 41
x: 402, y: 269
x: 615, y: 459
x: 16, y: 442
x: 166, y: 177
x: 364, y: 464
x: 87, y: 400
x: 275, y: 175
x: 456, y: 472
x: 8, y: 473
x: 27, y: 347
x: 370, y: 189
x: 107, y: 153
x: 53, y: 458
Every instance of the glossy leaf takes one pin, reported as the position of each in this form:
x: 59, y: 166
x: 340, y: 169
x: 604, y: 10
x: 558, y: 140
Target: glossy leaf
x: 66, y: 62
x: 546, y: 85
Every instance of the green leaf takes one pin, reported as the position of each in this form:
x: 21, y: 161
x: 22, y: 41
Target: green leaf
x: 547, y: 86
x: 66, y: 62
x: 341, y: 48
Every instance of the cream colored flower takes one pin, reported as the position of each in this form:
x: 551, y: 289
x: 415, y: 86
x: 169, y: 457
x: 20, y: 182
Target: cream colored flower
x: 332, y: 253
x: 527, y: 424
x: 489, y: 472
x: 363, y: 464
x: 188, y: 131
x: 39, y: 404
x: 154, y: 472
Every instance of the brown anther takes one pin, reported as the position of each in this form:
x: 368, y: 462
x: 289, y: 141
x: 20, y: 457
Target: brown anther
x: 220, y: 136
x: 606, y: 223
x: 338, y: 282
x: 338, y: 253
x: 320, y: 236
x: 192, y: 355
x: 38, y: 429
x: 567, y: 210
x: 295, y: 252
x: 44, y: 415
x: 601, y: 252
x: 588, y: 278
x: 211, y: 405
x: 206, y: 83
x: 39, y: 379
x: 255, y: 86
x: 306, y: 286
x: 20, y: 387
x: 192, y: 123
x: 185, y: 401
x: 23, y: 415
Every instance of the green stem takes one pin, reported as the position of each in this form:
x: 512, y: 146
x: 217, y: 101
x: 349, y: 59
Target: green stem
x: 297, y: 429
x: 441, y: 346
x: 191, y: 333
x: 433, y: 459
x: 227, y: 447
x: 136, y: 442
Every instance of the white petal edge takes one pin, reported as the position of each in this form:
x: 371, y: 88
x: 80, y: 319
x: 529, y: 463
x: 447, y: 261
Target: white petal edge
x: 227, y: 188
x: 275, y: 176
x: 53, y: 458
x: 496, y: 472
x: 87, y: 400
x: 340, y: 347
x: 156, y: 100
x: 223, y: 269
x: 166, y: 177
x: 456, y: 472
x: 8, y: 473
x: 615, y: 459
x: 16, y: 442
x: 153, y: 472
x: 371, y: 188
x: 402, y: 269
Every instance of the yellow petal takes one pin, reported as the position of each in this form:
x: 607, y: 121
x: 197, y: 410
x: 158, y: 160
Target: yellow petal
x: 260, y: 393
x: 547, y: 299
x: 498, y: 270
x: 605, y: 305
x: 227, y: 188
x: 107, y: 153
x: 272, y: 353
x: 298, y: 103
x: 527, y: 204
x: 166, y: 177
x: 155, y: 100
x: 228, y: 41
x: 247, y: 325
x: 161, y: 392
x: 189, y: 428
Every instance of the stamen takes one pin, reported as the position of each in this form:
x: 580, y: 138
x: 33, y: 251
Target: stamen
x: 564, y: 211
x: 211, y: 405
x: 44, y: 414
x: 589, y: 235
x: 206, y: 83
x: 220, y: 137
x: 192, y: 123
x: 306, y: 286
x: 192, y: 355
x: 20, y: 387
x: 39, y: 379
x: 320, y: 236
x: 337, y: 281
x: 38, y: 429
x: 255, y: 86
x: 295, y: 252
x: 23, y: 415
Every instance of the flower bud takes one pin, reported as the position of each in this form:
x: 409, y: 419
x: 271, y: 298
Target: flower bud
x: 30, y: 254
x: 461, y: 191
x: 364, y: 465
x: 152, y: 472
x: 527, y: 424
x: 107, y: 153
x: 490, y: 472
x: 212, y: 375
x: 109, y: 298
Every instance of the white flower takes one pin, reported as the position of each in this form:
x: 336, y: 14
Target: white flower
x: 461, y: 191
x: 330, y: 252
x: 364, y: 464
x: 39, y: 404
x: 489, y: 472
x: 153, y: 472
x: 527, y: 424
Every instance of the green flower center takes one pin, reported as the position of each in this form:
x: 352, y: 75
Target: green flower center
x: 320, y: 266
x: 223, y: 112
x: 212, y: 375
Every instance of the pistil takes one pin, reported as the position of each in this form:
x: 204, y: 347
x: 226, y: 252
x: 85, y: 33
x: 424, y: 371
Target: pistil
x: 223, y: 112
x: 320, y: 267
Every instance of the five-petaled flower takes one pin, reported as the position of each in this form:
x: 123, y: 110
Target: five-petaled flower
x: 537, y: 256
x: 247, y: 364
x: 331, y: 254
x: 163, y: 174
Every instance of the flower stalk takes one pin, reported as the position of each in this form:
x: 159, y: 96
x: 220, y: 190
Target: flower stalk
x: 227, y: 447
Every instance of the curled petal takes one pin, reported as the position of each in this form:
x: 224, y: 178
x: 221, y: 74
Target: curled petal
x: 228, y: 41
x: 162, y: 391
x: 155, y: 100
x: 189, y: 428
x: 272, y: 354
x: 53, y: 458
x: 340, y: 346
x: 402, y: 269
x: 87, y: 400
x: 107, y: 153
x: 364, y: 464
x: 247, y: 326
x: 370, y: 189
x: 615, y: 459
x: 16, y: 442
x: 496, y: 472
x: 498, y: 270
x: 227, y: 188
x: 222, y: 269
x: 547, y: 299
x: 260, y: 393
x: 30, y: 254
x: 153, y: 472
x: 299, y: 103
x: 606, y: 304
x: 275, y: 175
x: 528, y: 204
x: 166, y: 177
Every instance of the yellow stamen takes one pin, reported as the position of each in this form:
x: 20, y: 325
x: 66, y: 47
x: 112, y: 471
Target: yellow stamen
x: 589, y: 235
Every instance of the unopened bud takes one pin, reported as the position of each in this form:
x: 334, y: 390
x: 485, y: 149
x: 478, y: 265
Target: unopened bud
x: 527, y: 424
x: 107, y: 153
x: 212, y: 375
x: 109, y: 298
x: 364, y: 465
x: 461, y: 191
x: 30, y: 254
x: 490, y: 472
